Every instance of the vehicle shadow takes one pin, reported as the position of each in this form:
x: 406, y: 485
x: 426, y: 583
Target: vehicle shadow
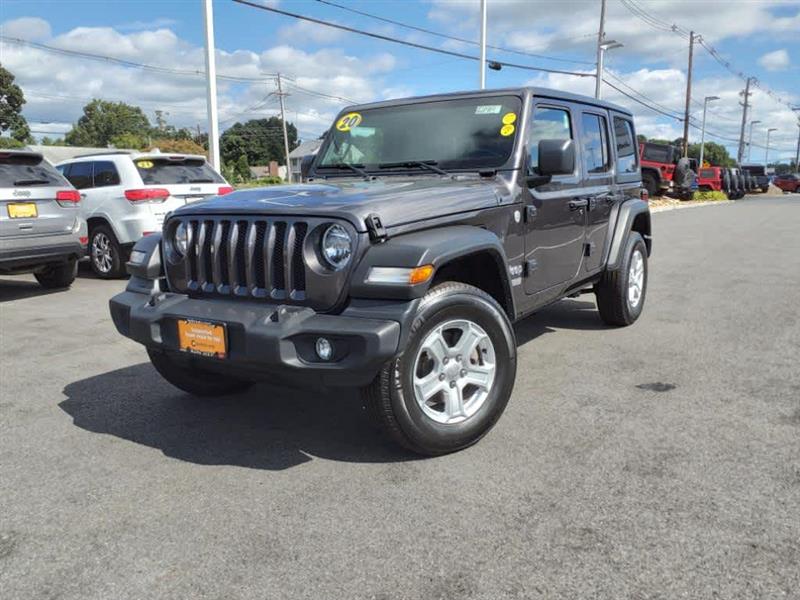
x: 573, y: 314
x: 11, y: 289
x: 266, y: 428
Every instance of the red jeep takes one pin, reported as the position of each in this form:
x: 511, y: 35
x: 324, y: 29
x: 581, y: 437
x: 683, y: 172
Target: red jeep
x: 663, y: 170
x: 788, y: 182
x: 710, y: 179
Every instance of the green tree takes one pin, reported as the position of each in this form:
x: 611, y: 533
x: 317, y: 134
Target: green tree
x: 10, y: 142
x: 713, y: 153
x: 242, y: 168
x: 104, y: 122
x: 260, y: 139
x: 11, y: 102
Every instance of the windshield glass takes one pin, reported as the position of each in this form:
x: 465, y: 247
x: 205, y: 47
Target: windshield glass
x: 165, y: 171
x: 24, y: 169
x: 463, y: 133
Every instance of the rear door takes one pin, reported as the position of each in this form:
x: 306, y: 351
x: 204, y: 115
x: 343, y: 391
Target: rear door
x: 555, y: 216
x: 28, y: 206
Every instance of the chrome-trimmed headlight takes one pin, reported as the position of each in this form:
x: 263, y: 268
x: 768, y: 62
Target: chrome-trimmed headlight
x: 336, y: 247
x: 180, y: 239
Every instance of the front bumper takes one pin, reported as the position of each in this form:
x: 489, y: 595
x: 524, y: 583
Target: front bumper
x: 272, y: 342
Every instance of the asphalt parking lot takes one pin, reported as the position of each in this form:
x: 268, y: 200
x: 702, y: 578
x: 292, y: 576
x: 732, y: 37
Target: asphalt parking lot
x: 657, y: 461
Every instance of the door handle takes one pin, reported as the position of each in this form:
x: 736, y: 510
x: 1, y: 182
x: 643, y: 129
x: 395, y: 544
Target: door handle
x: 578, y: 204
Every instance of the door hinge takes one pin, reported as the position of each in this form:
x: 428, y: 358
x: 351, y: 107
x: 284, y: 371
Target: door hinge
x: 377, y: 232
x: 588, y: 249
x: 530, y: 213
x: 530, y: 266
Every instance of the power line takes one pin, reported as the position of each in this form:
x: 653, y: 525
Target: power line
x: 452, y: 37
x: 387, y: 38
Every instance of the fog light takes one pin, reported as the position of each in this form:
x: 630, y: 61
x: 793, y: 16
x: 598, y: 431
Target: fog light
x: 324, y: 348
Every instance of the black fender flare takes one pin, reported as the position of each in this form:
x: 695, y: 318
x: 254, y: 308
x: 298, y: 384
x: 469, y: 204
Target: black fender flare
x: 628, y: 212
x: 435, y: 247
x: 146, y: 265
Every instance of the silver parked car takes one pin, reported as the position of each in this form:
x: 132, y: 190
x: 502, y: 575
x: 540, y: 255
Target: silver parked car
x: 126, y: 195
x: 41, y: 228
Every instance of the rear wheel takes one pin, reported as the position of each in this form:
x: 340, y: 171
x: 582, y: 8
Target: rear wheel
x: 58, y: 276
x: 455, y: 376
x: 195, y: 381
x: 650, y: 184
x: 620, y: 294
x: 105, y: 253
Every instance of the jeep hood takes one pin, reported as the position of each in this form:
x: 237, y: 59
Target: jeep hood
x: 397, y: 200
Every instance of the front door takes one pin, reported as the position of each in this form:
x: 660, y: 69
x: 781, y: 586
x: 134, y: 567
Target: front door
x: 555, y: 214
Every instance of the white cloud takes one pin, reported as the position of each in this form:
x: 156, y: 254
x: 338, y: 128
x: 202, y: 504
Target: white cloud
x: 306, y: 31
x: 157, y: 23
x: 775, y: 61
x: 29, y: 28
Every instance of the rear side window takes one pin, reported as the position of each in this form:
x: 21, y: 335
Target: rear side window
x: 595, y: 144
x: 707, y: 173
x: 105, y: 174
x: 626, y: 146
x: 165, y: 171
x: 22, y: 170
x: 658, y: 153
x: 80, y: 174
x: 548, y: 124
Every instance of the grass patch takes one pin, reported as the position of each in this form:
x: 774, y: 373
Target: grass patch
x: 709, y: 196
x: 263, y: 181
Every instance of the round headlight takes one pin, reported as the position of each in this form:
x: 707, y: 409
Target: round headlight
x: 180, y: 239
x: 337, y: 247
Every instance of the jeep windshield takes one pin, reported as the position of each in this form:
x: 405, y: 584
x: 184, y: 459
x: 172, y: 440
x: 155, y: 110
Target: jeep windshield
x: 462, y: 134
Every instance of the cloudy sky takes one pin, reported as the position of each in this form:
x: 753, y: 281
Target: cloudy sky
x: 329, y: 68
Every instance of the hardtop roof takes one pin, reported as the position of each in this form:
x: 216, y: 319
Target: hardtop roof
x: 539, y: 92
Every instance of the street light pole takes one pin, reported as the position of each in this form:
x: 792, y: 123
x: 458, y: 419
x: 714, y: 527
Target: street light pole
x: 797, y: 152
x: 750, y: 140
x: 703, y: 128
x: 482, y: 61
x: 211, y: 87
x: 601, y: 34
x: 766, y: 157
x: 607, y: 45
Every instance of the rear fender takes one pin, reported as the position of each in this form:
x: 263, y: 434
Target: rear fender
x: 634, y: 215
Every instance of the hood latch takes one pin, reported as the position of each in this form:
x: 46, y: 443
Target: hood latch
x: 377, y: 232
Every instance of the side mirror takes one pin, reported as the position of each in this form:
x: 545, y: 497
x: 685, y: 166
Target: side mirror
x: 556, y: 157
x: 305, y: 166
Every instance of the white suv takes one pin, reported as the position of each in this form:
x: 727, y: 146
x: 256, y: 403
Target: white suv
x: 126, y: 195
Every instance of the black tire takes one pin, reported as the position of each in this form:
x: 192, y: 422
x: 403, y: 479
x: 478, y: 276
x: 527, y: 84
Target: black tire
x: 650, y: 184
x: 391, y: 398
x: 612, y: 290
x: 196, y: 381
x: 98, y: 237
x: 58, y: 276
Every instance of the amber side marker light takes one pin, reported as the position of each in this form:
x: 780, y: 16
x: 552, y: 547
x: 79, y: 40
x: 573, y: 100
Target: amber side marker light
x: 400, y: 275
x: 420, y: 274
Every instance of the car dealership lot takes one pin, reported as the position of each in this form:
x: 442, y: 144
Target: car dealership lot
x: 654, y: 461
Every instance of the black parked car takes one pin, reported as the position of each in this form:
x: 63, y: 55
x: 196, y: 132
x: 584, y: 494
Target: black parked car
x: 428, y: 226
x: 759, y: 175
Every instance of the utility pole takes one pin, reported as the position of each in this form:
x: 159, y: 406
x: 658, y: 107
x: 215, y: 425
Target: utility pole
x: 211, y: 86
x: 703, y: 128
x: 746, y: 93
x: 797, y: 152
x: 482, y: 61
x: 688, y: 96
x: 285, y: 134
x: 601, y: 34
x: 750, y: 140
x: 766, y: 155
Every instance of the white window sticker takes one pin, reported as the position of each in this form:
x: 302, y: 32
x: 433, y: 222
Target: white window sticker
x: 488, y: 109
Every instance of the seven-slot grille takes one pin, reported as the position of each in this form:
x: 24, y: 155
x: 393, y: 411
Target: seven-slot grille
x: 261, y: 258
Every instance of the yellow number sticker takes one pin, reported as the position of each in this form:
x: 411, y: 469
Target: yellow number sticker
x: 145, y: 164
x: 509, y: 118
x: 348, y: 122
x: 507, y: 130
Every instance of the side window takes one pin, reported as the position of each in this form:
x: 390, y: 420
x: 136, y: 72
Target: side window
x: 548, y: 124
x: 79, y: 175
x: 627, y: 156
x: 105, y: 173
x: 595, y: 144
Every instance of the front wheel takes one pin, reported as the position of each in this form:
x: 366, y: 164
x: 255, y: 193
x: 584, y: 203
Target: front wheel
x: 193, y: 380
x: 58, y: 276
x: 454, y: 379
x: 620, y: 294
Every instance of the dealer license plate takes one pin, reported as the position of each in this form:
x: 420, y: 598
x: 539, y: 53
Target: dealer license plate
x: 22, y: 210
x: 201, y: 337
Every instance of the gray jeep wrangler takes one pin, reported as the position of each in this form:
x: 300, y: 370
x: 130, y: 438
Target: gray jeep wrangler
x: 427, y: 226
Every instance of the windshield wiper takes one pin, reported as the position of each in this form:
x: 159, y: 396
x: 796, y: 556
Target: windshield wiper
x: 31, y: 181
x: 355, y: 168
x: 425, y: 164
x: 201, y: 180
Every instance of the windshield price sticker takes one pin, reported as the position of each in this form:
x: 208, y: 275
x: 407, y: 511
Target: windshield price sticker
x: 507, y: 130
x: 145, y: 164
x: 348, y: 122
x: 509, y: 118
x: 488, y: 109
